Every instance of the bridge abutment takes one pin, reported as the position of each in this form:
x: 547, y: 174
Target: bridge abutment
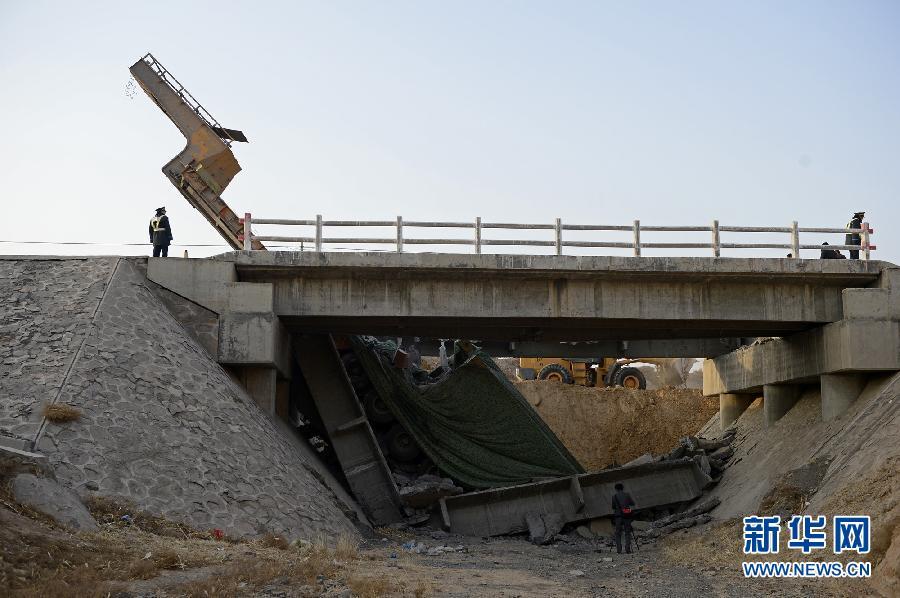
x: 778, y: 399
x: 839, y: 391
x: 732, y: 406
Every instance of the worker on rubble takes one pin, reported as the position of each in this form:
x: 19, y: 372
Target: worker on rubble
x: 623, y: 511
x: 854, y: 238
x: 160, y: 233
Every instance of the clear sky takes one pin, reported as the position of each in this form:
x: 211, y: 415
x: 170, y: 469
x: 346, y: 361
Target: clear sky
x: 755, y: 113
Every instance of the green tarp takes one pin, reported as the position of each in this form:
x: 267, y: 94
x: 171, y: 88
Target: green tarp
x: 473, y: 423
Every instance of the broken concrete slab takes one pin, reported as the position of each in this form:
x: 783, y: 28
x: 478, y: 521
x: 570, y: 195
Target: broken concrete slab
x: 543, y: 527
x: 722, y: 454
x: 424, y: 493
x: 52, y: 499
x: 703, y: 507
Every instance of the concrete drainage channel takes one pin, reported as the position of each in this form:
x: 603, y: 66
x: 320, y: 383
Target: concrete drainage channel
x: 397, y: 481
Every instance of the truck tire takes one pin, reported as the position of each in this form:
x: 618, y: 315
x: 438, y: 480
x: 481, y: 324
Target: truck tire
x: 631, y: 378
x: 376, y: 409
x: 401, y: 445
x: 556, y: 372
x: 590, y: 377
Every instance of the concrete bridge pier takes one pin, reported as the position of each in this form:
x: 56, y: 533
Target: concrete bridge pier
x: 732, y: 406
x: 778, y: 399
x: 838, y: 393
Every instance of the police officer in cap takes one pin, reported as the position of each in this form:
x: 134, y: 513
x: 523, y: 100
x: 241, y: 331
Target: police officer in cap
x: 160, y: 233
x: 853, y: 238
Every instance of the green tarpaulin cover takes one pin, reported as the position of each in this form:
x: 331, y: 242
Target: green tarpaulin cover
x: 473, y: 423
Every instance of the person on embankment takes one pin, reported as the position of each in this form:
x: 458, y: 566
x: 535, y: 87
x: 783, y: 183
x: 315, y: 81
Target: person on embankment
x: 623, y: 511
x: 160, y: 233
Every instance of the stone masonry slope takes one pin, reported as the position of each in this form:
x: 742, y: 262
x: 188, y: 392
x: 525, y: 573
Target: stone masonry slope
x: 161, y: 423
x: 45, y: 312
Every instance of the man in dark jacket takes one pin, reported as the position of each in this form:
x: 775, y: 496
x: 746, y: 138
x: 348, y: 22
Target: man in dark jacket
x: 830, y: 254
x: 623, y: 507
x: 160, y: 233
x: 854, y: 238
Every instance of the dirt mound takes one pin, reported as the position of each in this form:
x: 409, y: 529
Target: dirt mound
x: 606, y: 426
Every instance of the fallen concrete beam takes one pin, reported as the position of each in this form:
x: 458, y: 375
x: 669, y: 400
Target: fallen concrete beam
x: 348, y: 428
x: 505, y: 510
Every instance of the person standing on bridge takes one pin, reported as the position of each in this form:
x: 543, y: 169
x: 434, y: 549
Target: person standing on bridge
x: 854, y: 238
x: 160, y: 233
x: 623, y: 511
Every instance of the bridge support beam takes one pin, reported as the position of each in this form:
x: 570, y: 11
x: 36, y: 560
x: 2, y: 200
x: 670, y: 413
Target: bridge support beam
x: 838, y: 393
x: 261, y: 384
x: 731, y: 407
x: 778, y: 399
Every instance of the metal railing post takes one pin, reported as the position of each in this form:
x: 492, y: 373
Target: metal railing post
x: 559, y: 236
x: 318, y: 233
x: 795, y: 240
x: 716, y: 245
x: 399, y: 234
x: 478, y: 235
x: 248, y: 234
x: 865, y: 240
x: 637, y: 238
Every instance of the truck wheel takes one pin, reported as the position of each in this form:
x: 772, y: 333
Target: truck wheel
x: 401, y: 445
x: 555, y: 372
x: 376, y: 409
x: 590, y: 377
x: 631, y: 378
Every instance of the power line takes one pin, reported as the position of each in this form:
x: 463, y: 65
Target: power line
x: 116, y: 244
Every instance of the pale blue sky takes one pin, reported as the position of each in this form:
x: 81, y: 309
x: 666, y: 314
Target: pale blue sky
x: 595, y: 112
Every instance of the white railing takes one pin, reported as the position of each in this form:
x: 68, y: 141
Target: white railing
x: 318, y: 240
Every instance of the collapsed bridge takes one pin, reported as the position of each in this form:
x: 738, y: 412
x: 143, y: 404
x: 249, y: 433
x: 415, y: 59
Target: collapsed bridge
x: 263, y: 314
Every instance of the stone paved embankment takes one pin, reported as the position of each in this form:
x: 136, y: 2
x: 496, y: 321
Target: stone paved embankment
x: 162, y: 424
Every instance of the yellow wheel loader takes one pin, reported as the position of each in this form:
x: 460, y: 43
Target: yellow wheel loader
x: 606, y: 371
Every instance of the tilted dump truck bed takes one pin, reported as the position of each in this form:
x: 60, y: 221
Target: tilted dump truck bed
x: 206, y: 165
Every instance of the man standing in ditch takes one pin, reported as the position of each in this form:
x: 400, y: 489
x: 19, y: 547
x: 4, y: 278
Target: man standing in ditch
x: 160, y: 233
x: 623, y: 506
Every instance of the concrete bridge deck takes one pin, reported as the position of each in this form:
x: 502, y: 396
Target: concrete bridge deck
x: 517, y: 298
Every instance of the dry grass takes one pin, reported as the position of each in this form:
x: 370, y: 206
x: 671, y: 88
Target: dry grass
x: 783, y: 499
x: 371, y: 587
x: 347, y: 548
x: 110, y: 511
x: 39, y: 558
x: 60, y: 413
x: 718, y: 546
x: 273, y: 541
x: 240, y: 577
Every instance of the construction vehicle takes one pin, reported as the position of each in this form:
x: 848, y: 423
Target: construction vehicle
x: 605, y: 371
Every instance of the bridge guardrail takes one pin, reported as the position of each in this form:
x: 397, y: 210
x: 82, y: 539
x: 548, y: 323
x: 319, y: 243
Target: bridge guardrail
x: 319, y: 240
